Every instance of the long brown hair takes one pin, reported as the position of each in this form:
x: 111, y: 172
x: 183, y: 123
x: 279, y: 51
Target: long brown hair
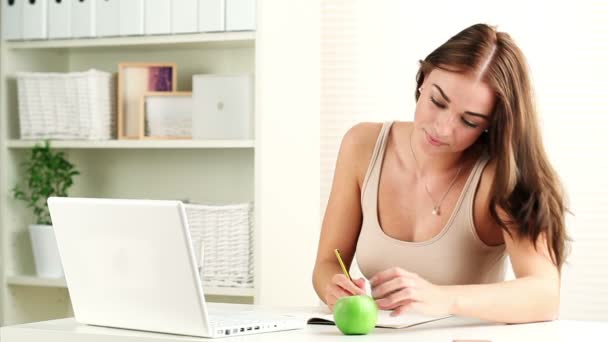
x: 525, y: 186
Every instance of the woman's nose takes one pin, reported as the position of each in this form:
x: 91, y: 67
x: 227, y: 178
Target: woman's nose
x: 444, y: 124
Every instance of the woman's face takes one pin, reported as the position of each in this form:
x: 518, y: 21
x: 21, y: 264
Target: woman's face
x: 452, y: 111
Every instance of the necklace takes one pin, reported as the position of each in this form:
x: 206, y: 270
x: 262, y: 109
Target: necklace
x: 436, y: 205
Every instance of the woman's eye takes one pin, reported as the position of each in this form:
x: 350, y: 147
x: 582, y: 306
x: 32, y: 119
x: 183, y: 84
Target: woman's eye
x: 468, y: 123
x: 437, y: 103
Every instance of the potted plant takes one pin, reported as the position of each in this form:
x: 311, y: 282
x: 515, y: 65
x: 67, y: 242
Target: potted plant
x: 47, y: 173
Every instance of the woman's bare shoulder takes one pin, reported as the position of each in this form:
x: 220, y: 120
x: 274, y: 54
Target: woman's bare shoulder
x: 362, y: 134
x: 358, y: 146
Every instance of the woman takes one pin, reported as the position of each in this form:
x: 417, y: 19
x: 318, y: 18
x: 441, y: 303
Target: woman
x: 434, y: 207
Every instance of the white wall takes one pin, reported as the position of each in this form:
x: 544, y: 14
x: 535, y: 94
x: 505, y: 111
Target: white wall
x: 288, y: 150
x: 370, y: 52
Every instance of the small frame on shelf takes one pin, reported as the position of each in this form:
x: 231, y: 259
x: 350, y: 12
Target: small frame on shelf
x: 165, y: 115
x: 135, y: 79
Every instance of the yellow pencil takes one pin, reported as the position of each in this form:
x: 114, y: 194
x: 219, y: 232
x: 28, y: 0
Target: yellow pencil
x: 337, y: 252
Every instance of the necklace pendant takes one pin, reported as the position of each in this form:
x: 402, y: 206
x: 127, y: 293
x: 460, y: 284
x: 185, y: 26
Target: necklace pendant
x: 436, y: 211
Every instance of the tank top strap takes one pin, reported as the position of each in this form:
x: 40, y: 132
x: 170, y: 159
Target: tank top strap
x: 471, y: 187
x: 369, y: 188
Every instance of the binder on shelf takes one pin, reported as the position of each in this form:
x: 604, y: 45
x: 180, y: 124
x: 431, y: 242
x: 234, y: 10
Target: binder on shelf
x: 223, y: 106
x: 184, y: 16
x: 34, y: 18
x: 60, y: 19
x: 12, y: 12
x: 157, y: 16
x: 240, y: 15
x: 83, y: 18
x: 107, y: 18
x: 131, y: 14
x: 211, y: 16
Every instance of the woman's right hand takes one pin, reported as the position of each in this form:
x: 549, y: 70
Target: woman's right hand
x: 340, y: 286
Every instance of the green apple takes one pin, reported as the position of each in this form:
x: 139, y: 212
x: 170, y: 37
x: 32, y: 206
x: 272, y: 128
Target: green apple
x: 355, y: 315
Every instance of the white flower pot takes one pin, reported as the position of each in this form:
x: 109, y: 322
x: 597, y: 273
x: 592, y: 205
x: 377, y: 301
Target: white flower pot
x: 46, y: 253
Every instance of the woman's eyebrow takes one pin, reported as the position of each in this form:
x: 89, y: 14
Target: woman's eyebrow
x: 442, y: 93
x: 484, y: 116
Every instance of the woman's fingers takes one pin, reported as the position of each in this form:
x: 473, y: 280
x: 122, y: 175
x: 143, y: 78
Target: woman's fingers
x: 360, y: 283
x: 397, y: 298
x: 340, y: 286
x: 391, y: 273
x: 338, y: 292
x: 347, y: 285
x: 393, y: 285
x: 403, y: 308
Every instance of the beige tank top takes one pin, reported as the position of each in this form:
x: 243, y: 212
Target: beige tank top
x: 455, y: 256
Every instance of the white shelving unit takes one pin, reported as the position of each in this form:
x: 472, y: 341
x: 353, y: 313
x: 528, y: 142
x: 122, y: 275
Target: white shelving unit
x: 217, y: 39
x: 25, y: 280
x: 136, y: 144
x: 220, y: 171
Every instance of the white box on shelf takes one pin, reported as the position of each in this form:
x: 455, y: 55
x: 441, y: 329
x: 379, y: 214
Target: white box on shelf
x: 211, y: 16
x: 223, y: 106
x: 240, y: 15
x: 34, y: 18
x: 168, y: 115
x: 158, y: 16
x: 131, y: 15
x: 184, y: 16
x: 12, y: 12
x: 60, y: 19
x: 83, y: 18
x: 107, y: 18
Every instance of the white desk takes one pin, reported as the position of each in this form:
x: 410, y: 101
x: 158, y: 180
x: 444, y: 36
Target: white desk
x: 455, y: 328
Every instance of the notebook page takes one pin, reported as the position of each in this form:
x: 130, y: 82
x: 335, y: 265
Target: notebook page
x: 384, y: 319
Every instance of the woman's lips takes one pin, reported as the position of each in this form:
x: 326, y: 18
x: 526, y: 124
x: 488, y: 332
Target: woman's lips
x: 433, y: 141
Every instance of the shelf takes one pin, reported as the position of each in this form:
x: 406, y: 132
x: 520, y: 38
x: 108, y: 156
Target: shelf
x: 223, y: 39
x: 35, y: 281
x: 136, y: 144
x: 53, y: 282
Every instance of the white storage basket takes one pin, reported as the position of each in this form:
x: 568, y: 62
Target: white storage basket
x: 226, y: 234
x: 77, y: 105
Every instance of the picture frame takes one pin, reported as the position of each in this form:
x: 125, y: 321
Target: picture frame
x: 135, y: 79
x: 166, y: 115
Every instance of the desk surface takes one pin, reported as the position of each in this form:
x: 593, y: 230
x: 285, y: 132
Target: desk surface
x: 454, y: 328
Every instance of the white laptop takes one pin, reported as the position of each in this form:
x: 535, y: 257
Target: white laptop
x: 130, y: 264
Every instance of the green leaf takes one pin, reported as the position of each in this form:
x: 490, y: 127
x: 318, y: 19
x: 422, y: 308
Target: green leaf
x: 47, y: 173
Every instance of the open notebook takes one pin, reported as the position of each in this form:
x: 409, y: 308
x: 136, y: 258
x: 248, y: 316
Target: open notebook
x: 384, y: 319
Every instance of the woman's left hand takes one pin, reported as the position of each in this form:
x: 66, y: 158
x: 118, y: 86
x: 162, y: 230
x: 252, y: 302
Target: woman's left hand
x: 399, y: 290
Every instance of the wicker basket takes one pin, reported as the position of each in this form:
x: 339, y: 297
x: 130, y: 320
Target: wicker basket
x: 78, y: 105
x: 226, y: 235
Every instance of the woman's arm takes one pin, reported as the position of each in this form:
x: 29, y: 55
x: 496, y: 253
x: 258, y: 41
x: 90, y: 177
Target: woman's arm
x: 343, y: 216
x: 532, y: 296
